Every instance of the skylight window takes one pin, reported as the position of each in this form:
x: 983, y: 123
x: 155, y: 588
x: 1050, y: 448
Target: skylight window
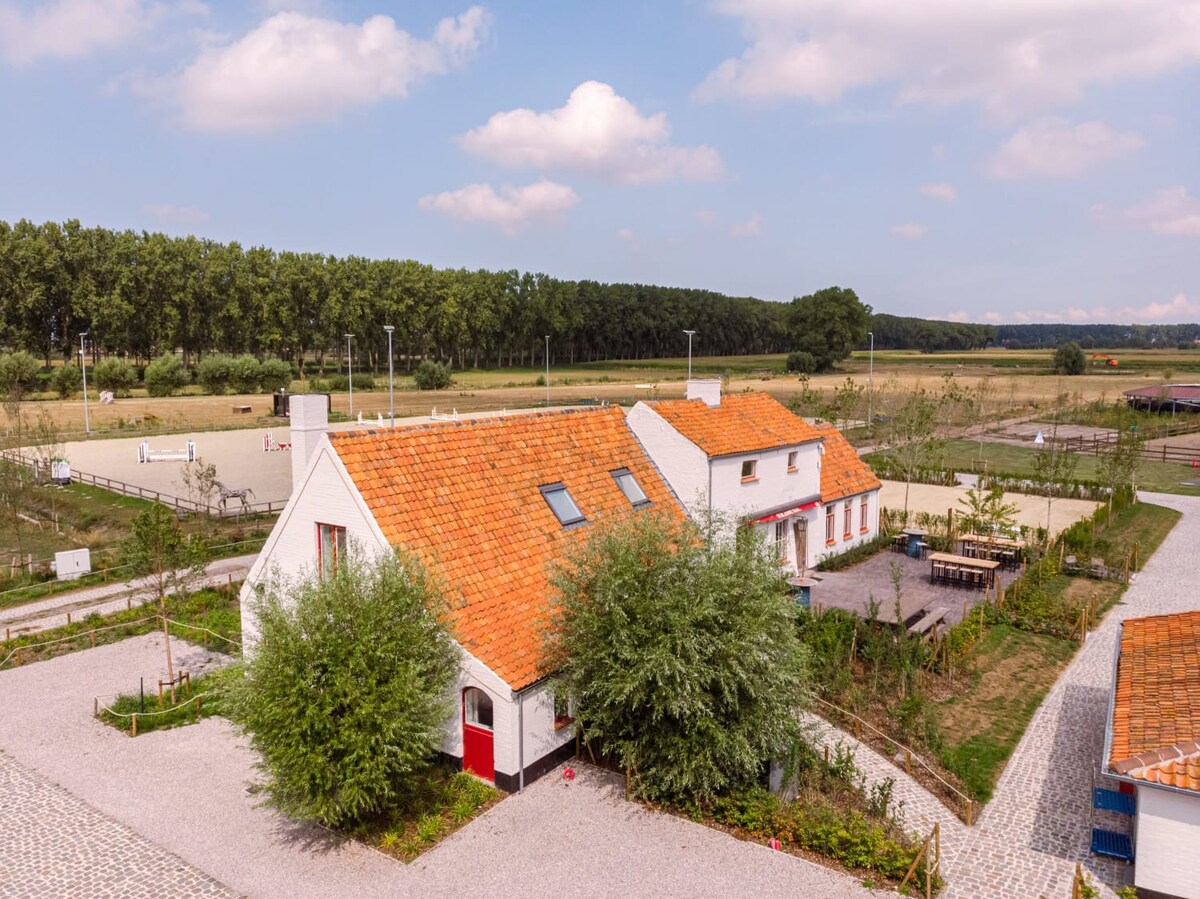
x: 630, y: 487
x: 562, y: 504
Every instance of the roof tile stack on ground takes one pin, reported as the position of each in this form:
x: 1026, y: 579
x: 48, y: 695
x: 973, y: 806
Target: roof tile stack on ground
x: 1156, y: 712
x: 465, y: 498
x: 743, y: 423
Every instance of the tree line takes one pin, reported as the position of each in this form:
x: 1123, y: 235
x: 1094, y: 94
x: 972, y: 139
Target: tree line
x: 1045, y: 336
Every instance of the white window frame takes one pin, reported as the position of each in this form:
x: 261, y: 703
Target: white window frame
x: 751, y: 466
x: 792, y: 457
x: 338, y: 543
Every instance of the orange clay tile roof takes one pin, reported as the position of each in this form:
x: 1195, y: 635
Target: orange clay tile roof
x: 1156, y: 710
x: 464, y: 497
x: 843, y: 472
x: 743, y: 423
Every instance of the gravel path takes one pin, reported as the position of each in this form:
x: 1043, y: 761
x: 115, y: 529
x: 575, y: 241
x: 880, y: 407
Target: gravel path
x: 105, y: 599
x: 184, y: 790
x: 1035, y: 830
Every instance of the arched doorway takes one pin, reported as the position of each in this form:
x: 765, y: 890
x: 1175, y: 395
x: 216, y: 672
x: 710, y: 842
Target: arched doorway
x: 478, y: 734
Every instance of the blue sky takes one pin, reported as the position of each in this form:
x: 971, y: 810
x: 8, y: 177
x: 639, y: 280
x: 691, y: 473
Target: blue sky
x: 999, y: 160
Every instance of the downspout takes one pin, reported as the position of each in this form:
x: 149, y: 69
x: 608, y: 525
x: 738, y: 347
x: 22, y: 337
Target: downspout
x: 521, y: 742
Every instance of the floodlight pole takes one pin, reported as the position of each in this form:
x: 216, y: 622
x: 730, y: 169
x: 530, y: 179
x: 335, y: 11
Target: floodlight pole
x: 547, y: 371
x: 689, y: 334
x: 871, y: 384
x: 350, y: 372
x: 391, y: 381
x: 87, y: 428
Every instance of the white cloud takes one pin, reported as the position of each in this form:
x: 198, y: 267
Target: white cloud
x: 1176, y: 310
x: 751, y: 227
x: 940, y: 191
x: 1011, y: 56
x: 1054, y: 148
x: 295, y: 68
x: 959, y: 315
x: 625, y: 233
x: 909, y: 231
x: 596, y: 133
x: 69, y: 29
x: 1170, y: 211
x: 512, y: 208
x: 993, y: 317
x: 183, y: 216
x: 706, y: 216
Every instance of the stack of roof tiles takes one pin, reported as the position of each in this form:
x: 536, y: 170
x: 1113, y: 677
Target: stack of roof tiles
x: 1156, y: 710
x: 464, y: 497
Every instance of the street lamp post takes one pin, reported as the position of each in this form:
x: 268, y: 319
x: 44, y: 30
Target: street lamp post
x: 689, y: 334
x: 350, y: 372
x: 87, y: 428
x: 547, y: 370
x: 391, y: 381
x: 871, y: 384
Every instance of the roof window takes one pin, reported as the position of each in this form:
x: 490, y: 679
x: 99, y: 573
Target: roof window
x: 630, y: 487
x: 562, y: 504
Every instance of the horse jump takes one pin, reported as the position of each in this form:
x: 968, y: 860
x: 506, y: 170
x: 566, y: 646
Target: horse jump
x: 186, y: 454
x: 271, y: 445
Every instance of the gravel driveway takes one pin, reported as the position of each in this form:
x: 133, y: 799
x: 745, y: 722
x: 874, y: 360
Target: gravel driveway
x: 184, y: 791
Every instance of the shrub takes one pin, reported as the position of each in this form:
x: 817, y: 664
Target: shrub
x: 165, y: 376
x: 245, y: 374
x: 116, y: 375
x: 1069, y: 359
x: 856, y: 554
x: 802, y: 362
x: 432, y: 375
x: 339, y: 747
x: 213, y: 373
x: 18, y: 375
x: 66, y: 380
x: 362, y: 381
x: 274, y: 375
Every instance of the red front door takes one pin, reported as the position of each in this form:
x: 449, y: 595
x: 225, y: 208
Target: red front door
x: 478, y: 737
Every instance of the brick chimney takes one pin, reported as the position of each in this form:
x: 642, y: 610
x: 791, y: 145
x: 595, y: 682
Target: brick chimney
x: 309, y: 413
x: 707, y: 389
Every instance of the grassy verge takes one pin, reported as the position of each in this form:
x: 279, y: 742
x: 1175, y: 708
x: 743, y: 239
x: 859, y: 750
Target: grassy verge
x: 1143, y: 523
x: 440, y: 802
x: 153, y: 715
x: 215, y: 609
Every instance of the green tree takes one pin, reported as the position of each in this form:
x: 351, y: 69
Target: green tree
x: 213, y: 373
x: 828, y: 324
x: 275, y: 375
x: 432, y: 375
x: 348, y: 687
x: 18, y: 378
x: 913, y: 443
x: 1054, y: 468
x: 66, y: 380
x: 157, y: 550
x: 245, y: 374
x: 116, y: 375
x: 1120, y: 460
x: 801, y: 362
x: 1069, y: 359
x: 165, y: 376
x: 679, y: 653
x: 986, y: 512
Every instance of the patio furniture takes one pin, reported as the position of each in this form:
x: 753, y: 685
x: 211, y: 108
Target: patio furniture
x: 962, y: 571
x: 900, y: 543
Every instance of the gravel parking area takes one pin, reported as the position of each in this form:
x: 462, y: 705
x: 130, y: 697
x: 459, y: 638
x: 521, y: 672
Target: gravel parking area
x: 1031, y: 510
x: 184, y: 790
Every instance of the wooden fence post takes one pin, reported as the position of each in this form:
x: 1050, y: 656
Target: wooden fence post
x: 133, y: 733
x: 68, y: 619
x: 908, y: 761
x: 160, y: 693
x: 92, y: 634
x: 970, y: 813
x: 96, y: 707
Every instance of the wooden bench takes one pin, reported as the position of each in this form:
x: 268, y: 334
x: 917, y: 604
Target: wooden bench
x: 241, y: 410
x: 932, y: 617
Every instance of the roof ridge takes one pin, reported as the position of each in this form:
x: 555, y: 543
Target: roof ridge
x: 446, y: 425
x: 1152, y: 757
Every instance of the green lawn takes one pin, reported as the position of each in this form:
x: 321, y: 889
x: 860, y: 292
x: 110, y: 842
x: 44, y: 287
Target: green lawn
x: 1004, y: 458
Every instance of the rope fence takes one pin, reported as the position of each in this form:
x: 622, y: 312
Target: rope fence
x: 97, y: 708
x: 91, y: 634
x: 909, y: 757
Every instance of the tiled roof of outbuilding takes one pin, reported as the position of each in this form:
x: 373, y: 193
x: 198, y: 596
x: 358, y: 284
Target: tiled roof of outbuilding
x: 743, y: 423
x: 1156, y: 710
x: 464, y: 497
x: 843, y: 472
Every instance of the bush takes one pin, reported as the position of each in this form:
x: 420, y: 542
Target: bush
x: 856, y: 554
x: 362, y: 381
x: 213, y: 373
x: 801, y: 362
x: 679, y: 653
x: 339, y: 747
x: 274, y: 375
x: 1069, y: 359
x: 245, y: 374
x: 66, y: 380
x: 165, y: 376
x: 432, y: 375
x: 19, y: 373
x: 116, y: 375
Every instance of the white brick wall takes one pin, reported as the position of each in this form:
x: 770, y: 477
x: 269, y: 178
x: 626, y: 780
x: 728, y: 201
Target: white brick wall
x: 683, y: 465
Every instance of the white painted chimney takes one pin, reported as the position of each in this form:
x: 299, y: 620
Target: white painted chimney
x: 309, y: 413
x: 707, y: 389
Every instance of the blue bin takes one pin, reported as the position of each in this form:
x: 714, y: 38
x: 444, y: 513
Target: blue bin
x: 914, y: 547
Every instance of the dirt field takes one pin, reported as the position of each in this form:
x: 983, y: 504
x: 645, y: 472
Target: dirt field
x: 1031, y: 510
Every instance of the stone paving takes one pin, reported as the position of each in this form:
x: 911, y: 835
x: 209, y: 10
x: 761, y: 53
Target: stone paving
x: 52, y: 844
x: 1032, y: 834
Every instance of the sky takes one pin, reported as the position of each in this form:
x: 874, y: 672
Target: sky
x: 990, y: 161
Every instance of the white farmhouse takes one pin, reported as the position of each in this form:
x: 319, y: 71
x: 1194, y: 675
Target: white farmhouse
x: 1152, y: 746
x: 749, y: 458
x: 489, y: 505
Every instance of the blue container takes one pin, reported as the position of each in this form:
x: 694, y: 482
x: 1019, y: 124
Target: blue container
x: 914, y: 546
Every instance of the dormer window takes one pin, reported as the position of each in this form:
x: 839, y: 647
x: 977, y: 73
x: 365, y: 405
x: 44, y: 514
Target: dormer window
x: 562, y: 504
x: 749, y: 470
x: 630, y: 487
x: 792, y: 456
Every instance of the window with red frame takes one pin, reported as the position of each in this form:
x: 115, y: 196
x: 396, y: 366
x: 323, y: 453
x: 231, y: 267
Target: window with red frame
x: 331, y: 547
x: 847, y: 519
x: 862, y: 516
x: 829, y: 525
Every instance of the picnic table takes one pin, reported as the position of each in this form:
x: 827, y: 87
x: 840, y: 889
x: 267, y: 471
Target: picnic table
x: 1000, y: 549
x: 962, y: 571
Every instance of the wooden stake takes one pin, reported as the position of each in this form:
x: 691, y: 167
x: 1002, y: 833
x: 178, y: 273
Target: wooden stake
x: 970, y: 813
x: 68, y: 619
x: 96, y: 707
x: 92, y: 634
x: 160, y: 693
x: 908, y: 761
x: 133, y: 733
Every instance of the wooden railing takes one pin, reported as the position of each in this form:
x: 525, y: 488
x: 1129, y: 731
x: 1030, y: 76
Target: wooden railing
x: 931, y: 852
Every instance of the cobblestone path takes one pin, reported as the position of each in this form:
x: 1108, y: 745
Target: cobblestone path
x: 52, y: 844
x: 1038, y: 826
